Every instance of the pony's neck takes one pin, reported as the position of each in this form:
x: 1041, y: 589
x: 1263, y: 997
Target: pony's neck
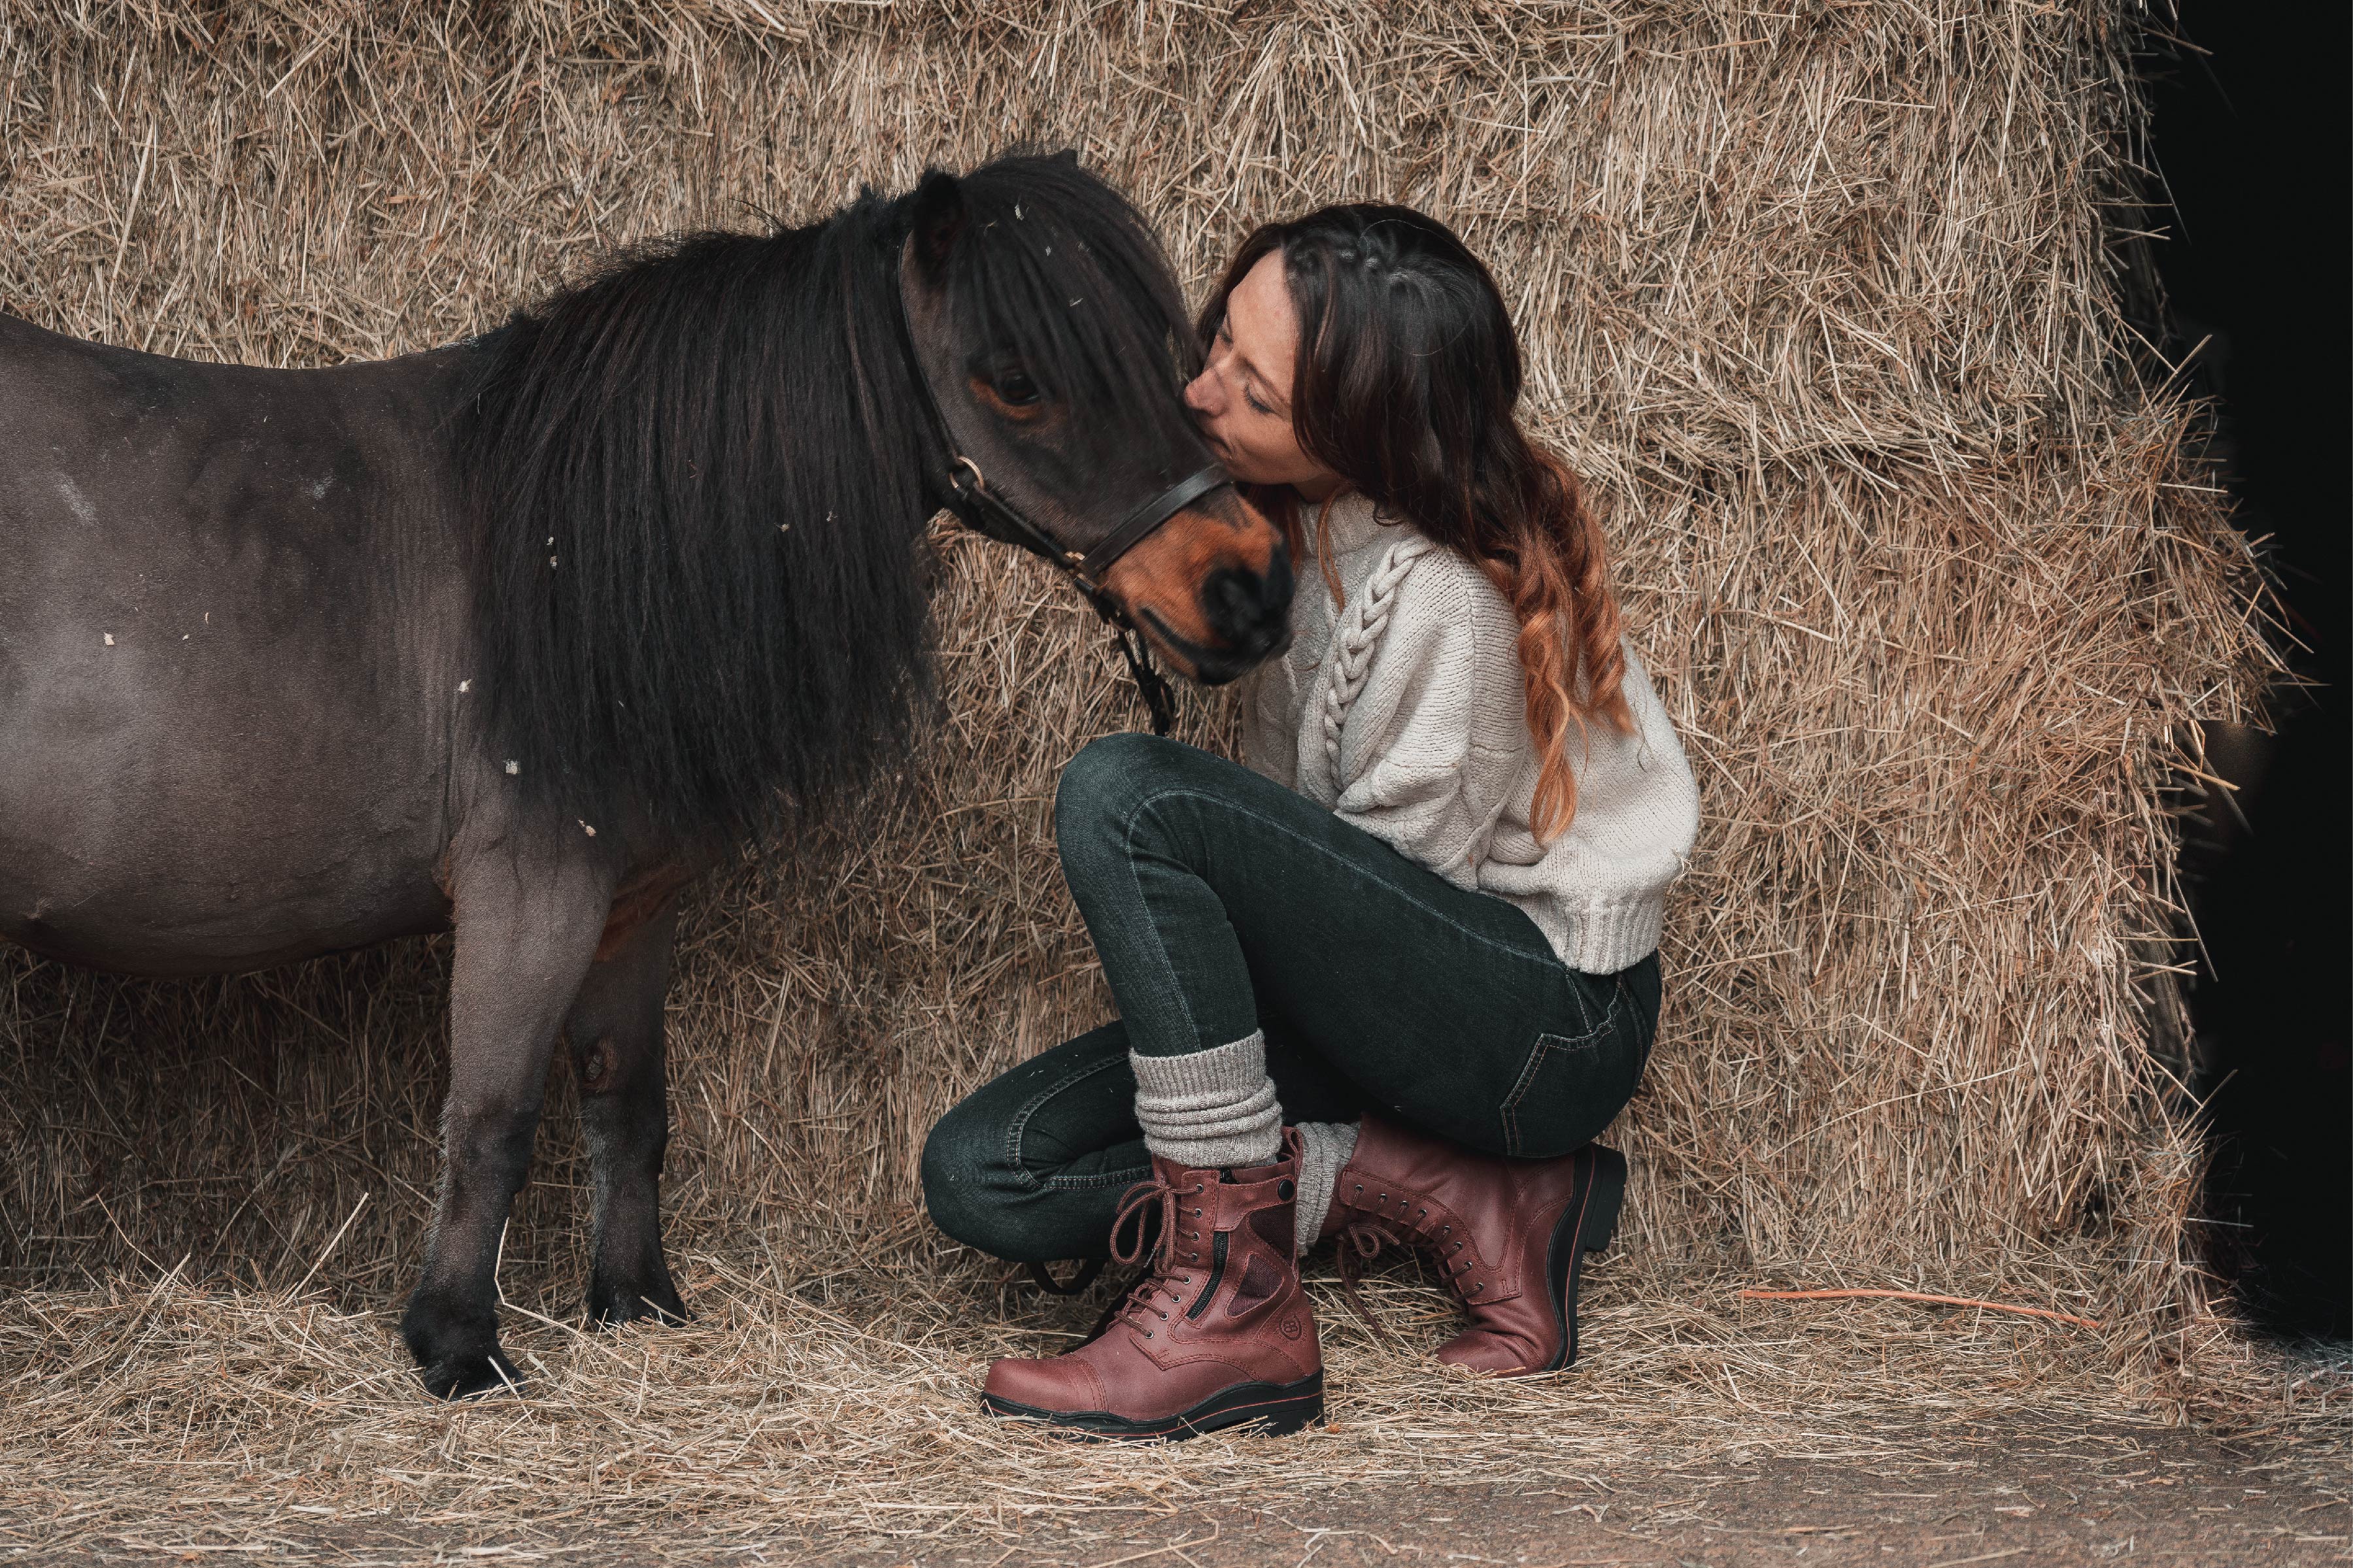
x: 720, y: 434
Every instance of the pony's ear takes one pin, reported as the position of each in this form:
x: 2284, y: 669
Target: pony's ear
x: 938, y: 218
x: 1068, y: 155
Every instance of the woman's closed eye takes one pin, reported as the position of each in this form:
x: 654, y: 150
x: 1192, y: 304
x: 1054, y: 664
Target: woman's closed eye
x: 1249, y: 394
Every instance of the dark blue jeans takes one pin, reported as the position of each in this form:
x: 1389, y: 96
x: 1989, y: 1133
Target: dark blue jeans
x: 1221, y: 903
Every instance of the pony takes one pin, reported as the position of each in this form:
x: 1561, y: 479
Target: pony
x: 516, y: 637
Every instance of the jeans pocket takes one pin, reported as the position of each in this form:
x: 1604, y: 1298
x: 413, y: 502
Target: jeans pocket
x: 1573, y: 1086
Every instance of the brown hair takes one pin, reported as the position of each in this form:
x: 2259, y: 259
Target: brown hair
x: 1408, y: 372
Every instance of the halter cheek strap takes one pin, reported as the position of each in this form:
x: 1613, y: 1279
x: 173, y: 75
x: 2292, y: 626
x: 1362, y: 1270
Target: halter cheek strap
x: 1140, y: 522
x: 968, y: 496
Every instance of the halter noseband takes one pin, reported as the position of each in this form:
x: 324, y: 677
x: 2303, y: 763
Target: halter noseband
x: 966, y: 494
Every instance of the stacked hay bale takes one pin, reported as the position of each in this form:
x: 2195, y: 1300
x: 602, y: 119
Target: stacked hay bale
x: 1827, y: 302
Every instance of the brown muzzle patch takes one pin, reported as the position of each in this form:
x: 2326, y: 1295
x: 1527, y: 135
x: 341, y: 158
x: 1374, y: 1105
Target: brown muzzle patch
x: 1209, y: 587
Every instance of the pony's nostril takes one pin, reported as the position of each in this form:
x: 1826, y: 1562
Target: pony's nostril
x: 1247, y: 609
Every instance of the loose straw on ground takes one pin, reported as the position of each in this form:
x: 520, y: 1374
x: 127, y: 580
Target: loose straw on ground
x: 1918, y: 1295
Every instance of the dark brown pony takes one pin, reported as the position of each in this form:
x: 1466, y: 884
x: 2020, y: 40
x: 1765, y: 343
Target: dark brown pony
x: 516, y: 637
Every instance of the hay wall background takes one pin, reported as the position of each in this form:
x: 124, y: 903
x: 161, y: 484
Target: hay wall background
x: 1825, y: 305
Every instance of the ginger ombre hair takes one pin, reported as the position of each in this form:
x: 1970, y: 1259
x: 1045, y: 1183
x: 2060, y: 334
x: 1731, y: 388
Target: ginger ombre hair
x: 1405, y: 385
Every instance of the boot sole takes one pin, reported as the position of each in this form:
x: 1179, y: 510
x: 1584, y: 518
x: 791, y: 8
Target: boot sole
x: 1588, y: 1226
x: 1276, y: 1407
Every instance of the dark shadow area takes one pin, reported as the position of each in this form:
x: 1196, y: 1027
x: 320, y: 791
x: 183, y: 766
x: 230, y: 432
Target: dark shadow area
x: 2251, y: 139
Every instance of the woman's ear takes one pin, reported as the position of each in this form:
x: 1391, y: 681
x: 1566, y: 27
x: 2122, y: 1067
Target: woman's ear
x: 938, y: 218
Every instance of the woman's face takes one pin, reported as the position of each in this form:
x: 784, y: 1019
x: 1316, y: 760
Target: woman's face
x: 1242, y: 398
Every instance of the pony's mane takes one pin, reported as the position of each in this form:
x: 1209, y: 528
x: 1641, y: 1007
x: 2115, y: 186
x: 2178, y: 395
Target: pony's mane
x: 698, y: 479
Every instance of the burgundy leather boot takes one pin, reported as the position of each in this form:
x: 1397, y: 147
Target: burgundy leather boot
x: 1218, y: 1334
x: 1512, y: 1235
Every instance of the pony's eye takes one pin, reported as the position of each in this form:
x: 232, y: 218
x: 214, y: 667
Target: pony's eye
x: 1016, y: 387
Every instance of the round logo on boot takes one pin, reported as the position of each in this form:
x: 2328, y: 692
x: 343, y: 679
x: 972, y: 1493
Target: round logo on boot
x: 1290, y: 1326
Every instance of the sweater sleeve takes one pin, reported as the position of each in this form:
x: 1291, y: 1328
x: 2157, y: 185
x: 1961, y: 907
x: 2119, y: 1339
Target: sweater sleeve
x: 1442, y: 689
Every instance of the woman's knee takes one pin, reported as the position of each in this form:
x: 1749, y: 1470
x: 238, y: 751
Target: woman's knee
x: 964, y: 1189
x: 1102, y: 788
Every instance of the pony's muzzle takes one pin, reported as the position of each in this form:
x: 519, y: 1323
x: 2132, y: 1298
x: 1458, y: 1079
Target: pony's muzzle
x: 1211, y: 588
x: 1251, y: 611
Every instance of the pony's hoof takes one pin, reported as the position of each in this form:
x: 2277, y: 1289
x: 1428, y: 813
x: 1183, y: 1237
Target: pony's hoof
x: 467, y: 1376
x: 610, y: 1306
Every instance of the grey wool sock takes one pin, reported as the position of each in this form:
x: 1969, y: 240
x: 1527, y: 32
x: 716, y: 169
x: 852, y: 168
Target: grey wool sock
x: 1324, y: 1147
x: 1208, y: 1109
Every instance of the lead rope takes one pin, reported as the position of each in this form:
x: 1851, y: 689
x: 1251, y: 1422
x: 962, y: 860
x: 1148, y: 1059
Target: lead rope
x: 1159, y: 697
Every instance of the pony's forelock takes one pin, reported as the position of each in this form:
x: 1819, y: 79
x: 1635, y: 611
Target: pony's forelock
x: 1056, y: 268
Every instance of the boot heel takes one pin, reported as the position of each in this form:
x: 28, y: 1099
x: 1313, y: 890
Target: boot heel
x: 1294, y: 1414
x: 1601, y: 1227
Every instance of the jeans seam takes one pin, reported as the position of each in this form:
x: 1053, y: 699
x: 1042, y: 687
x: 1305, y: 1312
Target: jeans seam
x: 1167, y: 964
x: 1021, y: 1123
x: 1127, y: 1178
x: 1546, y: 1044
x: 1528, y: 1071
x: 1547, y: 957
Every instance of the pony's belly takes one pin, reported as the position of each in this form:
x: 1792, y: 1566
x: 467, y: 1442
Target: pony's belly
x: 157, y: 932
x: 132, y: 882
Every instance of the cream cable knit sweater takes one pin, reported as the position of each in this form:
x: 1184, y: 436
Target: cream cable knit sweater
x: 1404, y: 713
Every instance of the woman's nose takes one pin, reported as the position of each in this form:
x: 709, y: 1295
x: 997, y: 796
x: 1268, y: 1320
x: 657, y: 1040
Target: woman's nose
x: 1200, y: 394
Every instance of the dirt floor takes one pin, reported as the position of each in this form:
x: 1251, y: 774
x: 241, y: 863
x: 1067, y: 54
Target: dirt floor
x: 2022, y: 1492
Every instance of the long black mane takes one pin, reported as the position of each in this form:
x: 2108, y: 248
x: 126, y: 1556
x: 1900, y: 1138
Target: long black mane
x: 699, y: 480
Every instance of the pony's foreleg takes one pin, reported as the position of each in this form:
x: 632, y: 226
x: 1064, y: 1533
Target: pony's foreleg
x: 526, y: 934
x: 615, y: 1033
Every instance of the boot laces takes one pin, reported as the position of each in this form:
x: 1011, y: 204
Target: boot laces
x: 1364, y: 1237
x: 1161, y: 1278
x: 1361, y: 1241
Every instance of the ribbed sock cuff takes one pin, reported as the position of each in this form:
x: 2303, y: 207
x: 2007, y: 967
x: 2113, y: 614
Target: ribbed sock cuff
x: 1325, y: 1149
x: 1212, y: 1108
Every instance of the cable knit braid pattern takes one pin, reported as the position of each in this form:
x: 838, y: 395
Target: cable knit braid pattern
x: 1351, y: 652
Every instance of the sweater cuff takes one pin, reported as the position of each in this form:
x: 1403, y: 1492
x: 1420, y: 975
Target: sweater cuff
x: 1607, y: 939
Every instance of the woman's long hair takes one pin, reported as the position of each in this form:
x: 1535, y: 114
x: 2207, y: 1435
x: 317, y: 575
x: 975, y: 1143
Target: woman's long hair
x: 1407, y: 375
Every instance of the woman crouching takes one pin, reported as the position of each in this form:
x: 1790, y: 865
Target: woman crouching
x: 1396, y: 975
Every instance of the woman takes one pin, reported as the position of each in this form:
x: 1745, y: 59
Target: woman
x: 1419, y: 927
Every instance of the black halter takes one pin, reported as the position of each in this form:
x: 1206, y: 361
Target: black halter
x: 964, y: 491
